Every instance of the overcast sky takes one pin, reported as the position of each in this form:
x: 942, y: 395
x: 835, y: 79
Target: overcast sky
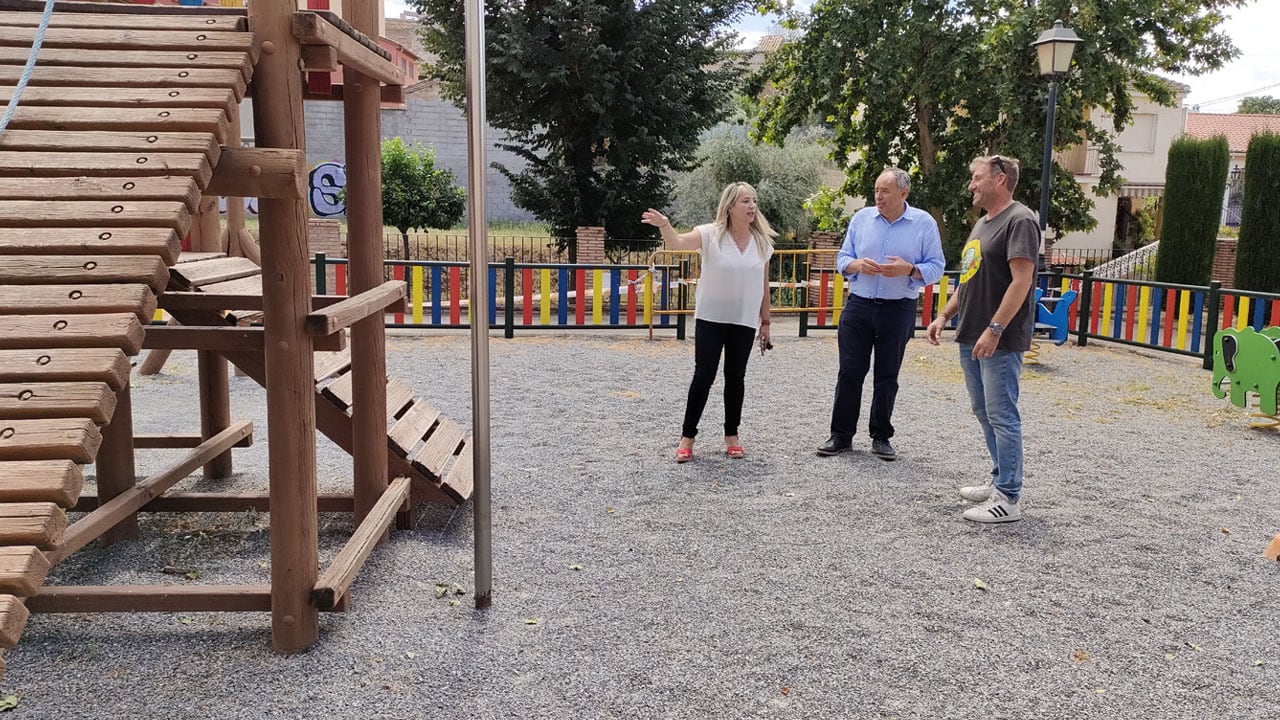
x: 1253, y: 28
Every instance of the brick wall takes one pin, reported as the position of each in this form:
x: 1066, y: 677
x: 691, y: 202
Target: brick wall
x: 323, y: 236
x: 1224, y: 262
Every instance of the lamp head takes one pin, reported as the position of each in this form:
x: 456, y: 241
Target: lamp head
x: 1054, y: 48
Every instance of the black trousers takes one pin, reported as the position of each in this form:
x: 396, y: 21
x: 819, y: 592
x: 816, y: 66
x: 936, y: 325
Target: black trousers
x: 710, y: 338
x: 882, y: 327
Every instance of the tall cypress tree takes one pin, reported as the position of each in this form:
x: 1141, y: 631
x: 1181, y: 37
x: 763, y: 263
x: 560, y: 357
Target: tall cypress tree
x: 1195, y: 181
x: 600, y: 98
x: 1258, y: 250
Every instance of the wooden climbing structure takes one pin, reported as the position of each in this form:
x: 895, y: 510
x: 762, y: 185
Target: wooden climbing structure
x: 119, y: 149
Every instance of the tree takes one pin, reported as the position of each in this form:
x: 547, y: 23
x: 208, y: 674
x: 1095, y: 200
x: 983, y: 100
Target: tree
x: 783, y: 177
x: 416, y: 195
x: 930, y: 84
x: 600, y: 98
x: 1258, y: 249
x: 1193, y: 188
x: 1262, y: 105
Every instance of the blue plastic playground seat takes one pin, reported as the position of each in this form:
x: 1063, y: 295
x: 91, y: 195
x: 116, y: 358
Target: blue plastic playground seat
x: 1056, y: 322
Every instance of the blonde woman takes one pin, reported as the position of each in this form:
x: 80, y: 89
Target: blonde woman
x: 732, y: 304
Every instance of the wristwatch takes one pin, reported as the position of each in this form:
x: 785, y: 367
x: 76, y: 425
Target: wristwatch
x: 996, y: 328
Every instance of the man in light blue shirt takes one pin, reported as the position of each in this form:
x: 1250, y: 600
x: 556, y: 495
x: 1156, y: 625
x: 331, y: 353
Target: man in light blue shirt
x: 890, y: 252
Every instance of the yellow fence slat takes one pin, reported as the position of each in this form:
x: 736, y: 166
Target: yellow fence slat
x: 1144, y: 297
x: 416, y: 290
x: 648, y: 298
x: 597, y: 296
x: 544, y: 305
x: 1184, y: 312
x: 1108, y: 297
x: 1242, y: 313
x: 837, y: 302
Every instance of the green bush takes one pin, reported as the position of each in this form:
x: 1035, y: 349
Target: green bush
x: 1195, y: 181
x: 1258, y: 250
x: 826, y: 207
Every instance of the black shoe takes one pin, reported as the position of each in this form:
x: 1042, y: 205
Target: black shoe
x: 834, y: 447
x: 883, y: 450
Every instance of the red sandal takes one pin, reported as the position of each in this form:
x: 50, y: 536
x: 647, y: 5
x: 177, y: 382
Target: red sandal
x: 735, y: 451
x: 684, y: 455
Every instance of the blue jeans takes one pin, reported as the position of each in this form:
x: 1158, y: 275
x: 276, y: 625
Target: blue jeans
x: 993, y: 395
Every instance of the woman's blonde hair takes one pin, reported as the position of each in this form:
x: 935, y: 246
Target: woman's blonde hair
x: 762, y: 234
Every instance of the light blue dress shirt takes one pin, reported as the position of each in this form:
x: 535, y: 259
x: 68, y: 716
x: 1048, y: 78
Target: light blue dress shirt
x: 913, y: 237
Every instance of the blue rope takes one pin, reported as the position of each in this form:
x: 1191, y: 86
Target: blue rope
x: 16, y: 97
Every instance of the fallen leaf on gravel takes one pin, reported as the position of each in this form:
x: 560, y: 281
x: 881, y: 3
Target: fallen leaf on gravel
x: 627, y: 393
x: 531, y: 621
x: 411, y: 655
x: 441, y: 590
x: 1192, y: 645
x: 455, y: 603
x: 1258, y: 663
x: 575, y: 566
x: 1100, y: 690
x: 786, y: 690
x: 193, y: 575
x: 610, y: 510
x: 1170, y: 656
x: 1080, y: 656
x: 788, y: 494
x: 174, y: 570
x: 1224, y: 531
x: 186, y: 620
x: 977, y: 583
x: 8, y: 702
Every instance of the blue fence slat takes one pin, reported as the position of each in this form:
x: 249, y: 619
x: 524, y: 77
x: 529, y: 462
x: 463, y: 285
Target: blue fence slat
x: 1157, y: 307
x: 493, y: 295
x: 1197, y: 323
x: 615, y: 300
x: 1259, y: 313
x: 1117, y: 312
x: 666, y: 292
x: 435, y: 294
x: 562, y: 314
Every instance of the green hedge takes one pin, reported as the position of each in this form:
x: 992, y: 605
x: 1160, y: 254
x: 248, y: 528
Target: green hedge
x: 1195, y: 182
x: 1258, y: 250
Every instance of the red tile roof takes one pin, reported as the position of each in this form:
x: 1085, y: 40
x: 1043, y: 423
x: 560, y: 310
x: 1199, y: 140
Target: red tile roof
x: 1238, y: 128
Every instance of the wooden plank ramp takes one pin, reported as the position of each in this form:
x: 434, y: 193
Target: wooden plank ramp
x: 101, y: 173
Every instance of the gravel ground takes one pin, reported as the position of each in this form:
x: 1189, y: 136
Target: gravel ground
x: 783, y: 585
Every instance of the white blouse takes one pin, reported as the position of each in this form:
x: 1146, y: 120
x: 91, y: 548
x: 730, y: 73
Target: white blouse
x: 731, y: 286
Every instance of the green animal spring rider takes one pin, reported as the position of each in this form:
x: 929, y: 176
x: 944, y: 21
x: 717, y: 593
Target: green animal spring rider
x: 1248, y: 361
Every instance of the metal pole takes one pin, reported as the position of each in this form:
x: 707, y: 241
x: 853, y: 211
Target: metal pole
x: 477, y: 221
x: 1047, y: 165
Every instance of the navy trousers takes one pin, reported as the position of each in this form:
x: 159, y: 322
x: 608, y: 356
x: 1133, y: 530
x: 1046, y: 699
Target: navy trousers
x: 867, y: 327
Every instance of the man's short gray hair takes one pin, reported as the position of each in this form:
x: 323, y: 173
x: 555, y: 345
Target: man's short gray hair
x: 900, y: 176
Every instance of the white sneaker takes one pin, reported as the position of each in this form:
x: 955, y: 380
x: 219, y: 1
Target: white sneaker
x: 976, y: 493
x: 997, y: 509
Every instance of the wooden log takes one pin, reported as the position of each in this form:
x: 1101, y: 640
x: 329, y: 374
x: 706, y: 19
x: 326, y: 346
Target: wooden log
x: 151, y: 598
x: 260, y: 173
x: 177, y: 440
x: 131, y: 58
x: 225, y: 23
x: 223, y: 99
x: 64, y: 300
x: 91, y: 213
x: 215, y: 408
x: 319, y: 58
x: 65, y: 365
x: 460, y: 481
x: 365, y: 304
x: 148, y: 270
x: 108, y: 240
x: 127, y: 502
x: 23, y: 569
x: 30, y: 523
x: 32, y: 401
x: 221, y: 339
x: 13, y: 618
x: 195, y: 120
x: 143, y: 77
x: 117, y: 470
x: 189, y: 275
x: 336, y: 580
x: 170, y: 189
x: 78, y: 164
x: 52, y: 439
x: 128, y: 39
x: 312, y: 29
x: 200, y: 143
x: 55, y: 481
x: 248, y: 302
x: 223, y: 502
x: 117, y: 330
x: 247, y: 285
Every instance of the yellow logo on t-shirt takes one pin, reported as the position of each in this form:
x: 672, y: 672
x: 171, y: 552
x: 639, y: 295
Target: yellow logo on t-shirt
x: 970, y: 260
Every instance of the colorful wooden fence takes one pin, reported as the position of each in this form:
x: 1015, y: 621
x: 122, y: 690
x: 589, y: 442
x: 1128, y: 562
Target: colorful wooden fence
x: 529, y: 296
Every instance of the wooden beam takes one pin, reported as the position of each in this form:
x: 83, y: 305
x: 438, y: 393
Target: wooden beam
x: 32, y: 523
x: 206, y: 300
x: 195, y: 120
x: 88, y: 164
x: 146, y: 77
x: 127, y: 39
x: 132, y: 58
x: 93, y: 400
x: 202, y: 143
x: 44, y: 270
x: 169, y: 441
x: 63, y: 20
x: 117, y: 330
x: 337, y: 578
x: 116, y: 466
x: 319, y: 58
x: 108, y: 240
x: 217, y: 98
x: 88, y: 528
x: 56, y: 439
x: 357, y: 307
x: 151, y: 598
x: 223, y: 502
x: 22, y: 569
x: 110, y: 366
x: 13, y: 618
x: 170, y: 188
x: 78, y: 299
x: 214, y: 270
x: 90, y: 213
x: 222, y: 339
x: 260, y: 173
x: 55, y: 481
x: 312, y: 29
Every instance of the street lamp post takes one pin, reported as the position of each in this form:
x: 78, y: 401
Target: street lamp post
x: 1054, y: 48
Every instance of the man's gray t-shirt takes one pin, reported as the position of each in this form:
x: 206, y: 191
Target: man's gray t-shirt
x: 985, y: 275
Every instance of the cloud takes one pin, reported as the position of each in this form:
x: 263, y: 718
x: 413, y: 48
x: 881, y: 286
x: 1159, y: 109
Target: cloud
x: 1257, y: 70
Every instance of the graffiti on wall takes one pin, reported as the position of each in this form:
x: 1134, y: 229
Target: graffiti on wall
x: 326, y: 182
